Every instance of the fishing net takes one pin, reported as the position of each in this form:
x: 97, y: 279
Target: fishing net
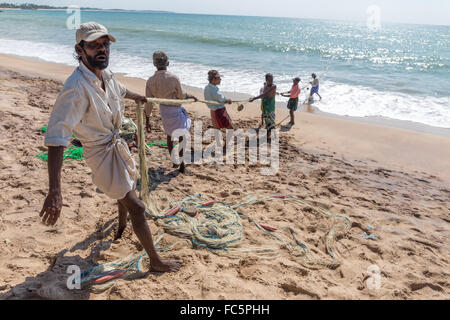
x: 219, y: 228
x: 72, y: 153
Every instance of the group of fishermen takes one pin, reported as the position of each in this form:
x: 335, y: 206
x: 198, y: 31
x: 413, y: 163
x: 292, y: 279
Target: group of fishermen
x: 90, y: 108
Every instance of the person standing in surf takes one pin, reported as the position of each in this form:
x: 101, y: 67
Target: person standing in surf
x: 315, y: 86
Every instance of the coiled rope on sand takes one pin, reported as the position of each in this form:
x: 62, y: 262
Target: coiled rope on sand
x: 218, y: 227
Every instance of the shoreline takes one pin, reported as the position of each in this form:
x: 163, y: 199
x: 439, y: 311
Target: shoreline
x: 280, y: 105
x: 386, y: 146
x: 378, y: 120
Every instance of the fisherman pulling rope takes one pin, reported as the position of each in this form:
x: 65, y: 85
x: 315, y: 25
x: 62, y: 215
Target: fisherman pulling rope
x: 89, y: 107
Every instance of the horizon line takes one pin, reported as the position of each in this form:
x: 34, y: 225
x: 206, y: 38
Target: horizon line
x: 217, y: 14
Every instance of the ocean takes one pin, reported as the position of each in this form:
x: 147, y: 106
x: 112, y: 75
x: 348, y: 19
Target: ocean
x: 399, y: 72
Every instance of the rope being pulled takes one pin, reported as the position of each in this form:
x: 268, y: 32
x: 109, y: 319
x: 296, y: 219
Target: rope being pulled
x: 176, y: 102
x: 179, y: 102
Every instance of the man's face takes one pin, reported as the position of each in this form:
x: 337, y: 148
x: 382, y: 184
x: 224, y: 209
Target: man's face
x: 296, y: 82
x: 96, y: 53
x: 269, y: 81
x: 216, y: 81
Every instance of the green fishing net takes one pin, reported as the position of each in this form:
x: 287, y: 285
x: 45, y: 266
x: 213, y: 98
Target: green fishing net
x: 157, y: 144
x: 72, y: 153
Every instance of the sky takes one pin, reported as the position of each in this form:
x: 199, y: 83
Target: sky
x: 401, y: 11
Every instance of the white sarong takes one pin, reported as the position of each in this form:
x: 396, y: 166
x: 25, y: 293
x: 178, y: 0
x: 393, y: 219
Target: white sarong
x: 174, y: 118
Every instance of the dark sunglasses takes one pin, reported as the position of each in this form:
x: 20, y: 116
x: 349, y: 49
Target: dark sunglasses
x: 96, y: 46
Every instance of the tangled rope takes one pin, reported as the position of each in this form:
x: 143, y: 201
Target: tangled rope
x: 218, y: 227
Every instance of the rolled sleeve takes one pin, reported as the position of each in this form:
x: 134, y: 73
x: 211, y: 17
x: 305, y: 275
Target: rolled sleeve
x: 69, y: 109
x: 122, y: 89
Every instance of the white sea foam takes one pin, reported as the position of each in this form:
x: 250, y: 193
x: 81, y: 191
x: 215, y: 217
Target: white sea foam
x: 48, y: 52
x: 338, y: 98
x: 359, y: 101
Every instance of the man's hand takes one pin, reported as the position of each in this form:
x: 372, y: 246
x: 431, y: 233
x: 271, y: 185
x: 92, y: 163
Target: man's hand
x: 251, y: 99
x: 139, y: 98
x: 229, y: 101
x: 52, y: 208
x: 136, y: 97
x: 188, y: 96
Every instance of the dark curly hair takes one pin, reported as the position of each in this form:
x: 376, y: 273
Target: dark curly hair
x: 76, y: 55
x: 212, y: 74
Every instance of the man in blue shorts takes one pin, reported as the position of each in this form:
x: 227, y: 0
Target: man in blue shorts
x: 315, y: 86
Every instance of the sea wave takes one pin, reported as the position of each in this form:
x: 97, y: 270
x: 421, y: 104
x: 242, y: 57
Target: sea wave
x: 338, y: 98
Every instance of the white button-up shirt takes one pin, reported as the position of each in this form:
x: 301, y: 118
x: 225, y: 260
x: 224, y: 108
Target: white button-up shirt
x: 94, y: 116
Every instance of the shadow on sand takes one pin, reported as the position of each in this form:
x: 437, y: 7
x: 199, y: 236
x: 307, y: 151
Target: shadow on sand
x: 52, y: 283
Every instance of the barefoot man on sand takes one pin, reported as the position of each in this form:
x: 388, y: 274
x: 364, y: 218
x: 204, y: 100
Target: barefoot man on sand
x: 165, y: 85
x: 89, y: 106
x: 219, y: 115
x: 293, y: 99
x: 268, y: 102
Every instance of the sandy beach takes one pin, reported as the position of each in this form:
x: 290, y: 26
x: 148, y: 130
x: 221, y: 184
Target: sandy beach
x: 391, y: 182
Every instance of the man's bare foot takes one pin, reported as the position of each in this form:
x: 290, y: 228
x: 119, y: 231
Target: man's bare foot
x: 165, y: 265
x: 119, y: 234
x: 184, y: 171
x: 148, y: 126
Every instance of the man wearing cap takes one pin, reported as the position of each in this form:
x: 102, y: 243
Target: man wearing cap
x: 89, y: 106
x: 165, y: 85
x: 293, y: 99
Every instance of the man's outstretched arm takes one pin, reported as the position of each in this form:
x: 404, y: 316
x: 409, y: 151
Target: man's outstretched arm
x: 53, y: 203
x: 134, y: 96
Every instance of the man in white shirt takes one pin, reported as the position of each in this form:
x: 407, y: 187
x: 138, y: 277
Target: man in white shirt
x: 89, y: 106
x: 219, y: 115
